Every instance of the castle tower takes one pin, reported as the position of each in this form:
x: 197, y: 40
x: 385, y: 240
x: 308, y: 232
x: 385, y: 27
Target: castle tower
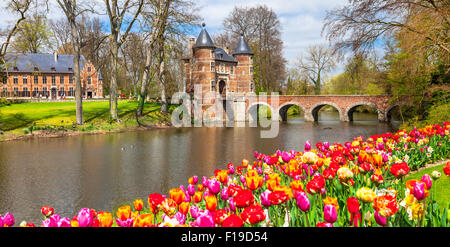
x: 244, y: 69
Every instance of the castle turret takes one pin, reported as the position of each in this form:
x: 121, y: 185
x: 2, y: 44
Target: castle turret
x: 244, y: 70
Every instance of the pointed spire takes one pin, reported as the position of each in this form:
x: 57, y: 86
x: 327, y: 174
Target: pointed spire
x: 204, y: 40
x: 242, y: 47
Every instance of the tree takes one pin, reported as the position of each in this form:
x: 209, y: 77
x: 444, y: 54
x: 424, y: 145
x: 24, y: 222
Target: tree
x: 73, y: 10
x: 122, y: 16
x: 33, y: 35
x: 262, y: 30
x: 318, y: 60
x: 18, y: 7
x: 359, y: 24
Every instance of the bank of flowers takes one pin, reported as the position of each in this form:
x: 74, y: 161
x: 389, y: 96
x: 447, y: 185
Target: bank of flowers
x: 361, y: 183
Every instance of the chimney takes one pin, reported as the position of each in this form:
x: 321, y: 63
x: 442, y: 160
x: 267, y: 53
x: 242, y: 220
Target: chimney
x: 191, y: 46
x: 55, y: 55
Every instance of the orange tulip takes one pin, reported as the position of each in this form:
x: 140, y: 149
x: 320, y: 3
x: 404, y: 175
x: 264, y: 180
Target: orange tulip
x: 200, y: 187
x: 123, y: 213
x: 296, y: 185
x: 251, y: 173
x: 197, y: 196
x: 211, y: 202
x: 74, y: 223
x: 245, y: 163
x: 285, y: 189
x: 177, y: 195
x: 275, y: 176
x: 138, y: 204
x: 169, y: 206
x: 105, y: 219
x: 271, y: 184
x: 377, y: 160
x: 143, y: 220
x: 222, y: 176
x: 184, y: 207
x: 254, y: 182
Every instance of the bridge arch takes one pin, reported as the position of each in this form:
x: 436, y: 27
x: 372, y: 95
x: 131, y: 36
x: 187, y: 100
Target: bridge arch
x: 351, y: 109
x: 313, y: 114
x: 252, y: 111
x: 283, y: 109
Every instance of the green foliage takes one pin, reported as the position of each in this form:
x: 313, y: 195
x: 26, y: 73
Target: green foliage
x: 4, y: 101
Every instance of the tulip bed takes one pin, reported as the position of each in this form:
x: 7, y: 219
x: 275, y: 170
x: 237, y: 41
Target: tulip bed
x: 356, y: 184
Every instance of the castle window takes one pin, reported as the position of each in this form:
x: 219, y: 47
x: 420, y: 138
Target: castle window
x: 251, y: 86
x: 36, y: 79
x: 44, y: 79
x: 61, y: 80
x: 5, y: 80
x: 89, y: 69
x: 213, y: 65
x: 89, y: 80
x: 251, y: 70
x: 212, y: 54
x: 71, y: 80
x: 213, y: 86
x: 15, y: 80
x: 53, y: 69
x: 70, y: 69
x: 53, y: 80
x: 231, y: 69
x: 25, y: 80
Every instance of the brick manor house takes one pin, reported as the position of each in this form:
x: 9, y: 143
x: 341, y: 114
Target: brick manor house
x: 50, y: 76
x: 215, y: 69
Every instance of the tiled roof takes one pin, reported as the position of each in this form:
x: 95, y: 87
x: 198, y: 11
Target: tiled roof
x: 29, y: 62
x: 223, y: 56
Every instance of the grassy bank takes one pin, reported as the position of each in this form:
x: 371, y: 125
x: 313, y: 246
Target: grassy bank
x: 17, y: 120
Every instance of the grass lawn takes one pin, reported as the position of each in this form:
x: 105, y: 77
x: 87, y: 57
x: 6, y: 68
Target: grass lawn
x: 440, y: 188
x: 17, y: 117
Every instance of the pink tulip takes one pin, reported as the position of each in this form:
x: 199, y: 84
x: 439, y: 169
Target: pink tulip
x: 205, y: 181
x: 1, y: 221
x: 195, y: 179
x: 231, y: 170
x: 194, y: 211
x: 427, y: 180
x: 125, y: 223
x: 326, y: 145
x: 48, y: 223
x: 64, y: 222
x: 419, y: 191
x: 285, y: 157
x: 382, y: 221
x: 231, y: 204
x: 8, y: 219
x: 85, y: 217
x: 191, y: 190
x: 303, y: 201
x: 205, y: 219
x: 329, y: 213
x: 265, y: 199
x: 214, y: 186
x: 224, y: 193
x: 307, y: 145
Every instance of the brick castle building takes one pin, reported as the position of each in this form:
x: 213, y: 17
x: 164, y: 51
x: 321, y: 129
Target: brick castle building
x: 50, y: 76
x: 215, y: 69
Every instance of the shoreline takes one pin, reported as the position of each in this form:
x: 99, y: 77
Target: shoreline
x: 68, y: 133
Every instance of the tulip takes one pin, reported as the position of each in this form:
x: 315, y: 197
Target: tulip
x: 125, y: 223
x: 138, y: 205
x: 326, y: 145
x: 1, y: 221
x: 329, y: 213
x: 435, y: 175
x: 204, y: 219
x: 184, y: 207
x: 382, y: 221
x: 191, y: 189
x: 211, y: 203
x: 286, y: 157
x: 224, y: 193
x: 214, y: 186
x: 105, y: 219
x: 47, y: 211
x: 48, y: 223
x: 143, y: 220
x: 231, y: 204
x: 324, y: 224
x: 303, y: 201
x: 427, y: 180
x: 8, y: 219
x: 419, y: 191
x: 307, y: 145
x: 265, y: 198
x: 85, y: 217
x: 194, y: 211
x: 205, y: 181
x: 64, y: 222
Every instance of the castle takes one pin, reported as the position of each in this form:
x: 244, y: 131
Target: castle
x: 215, y: 69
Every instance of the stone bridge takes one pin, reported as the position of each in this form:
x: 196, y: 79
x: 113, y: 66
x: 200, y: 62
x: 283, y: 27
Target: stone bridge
x: 344, y: 104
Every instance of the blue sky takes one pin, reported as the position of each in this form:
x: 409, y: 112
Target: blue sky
x: 301, y: 20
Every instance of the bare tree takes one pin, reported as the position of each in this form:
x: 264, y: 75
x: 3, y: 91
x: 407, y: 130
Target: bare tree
x: 122, y: 16
x: 18, y: 7
x: 318, y: 60
x: 359, y: 24
x: 73, y: 10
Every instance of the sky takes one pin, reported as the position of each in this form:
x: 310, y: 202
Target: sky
x: 301, y: 20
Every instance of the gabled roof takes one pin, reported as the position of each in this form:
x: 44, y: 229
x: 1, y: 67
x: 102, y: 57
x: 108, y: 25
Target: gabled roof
x: 242, y: 47
x: 204, y: 40
x: 27, y: 62
x: 221, y: 55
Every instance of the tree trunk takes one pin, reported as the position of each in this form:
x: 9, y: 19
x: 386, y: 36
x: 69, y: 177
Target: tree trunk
x: 161, y: 78
x: 77, y: 72
x: 113, y: 84
x: 145, y: 79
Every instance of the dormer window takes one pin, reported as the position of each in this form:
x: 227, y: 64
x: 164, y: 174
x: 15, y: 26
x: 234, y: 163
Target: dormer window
x: 53, y: 69
x: 36, y: 69
x: 16, y: 69
x: 70, y: 69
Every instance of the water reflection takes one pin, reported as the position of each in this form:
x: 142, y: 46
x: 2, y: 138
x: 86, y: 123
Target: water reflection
x: 106, y: 171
